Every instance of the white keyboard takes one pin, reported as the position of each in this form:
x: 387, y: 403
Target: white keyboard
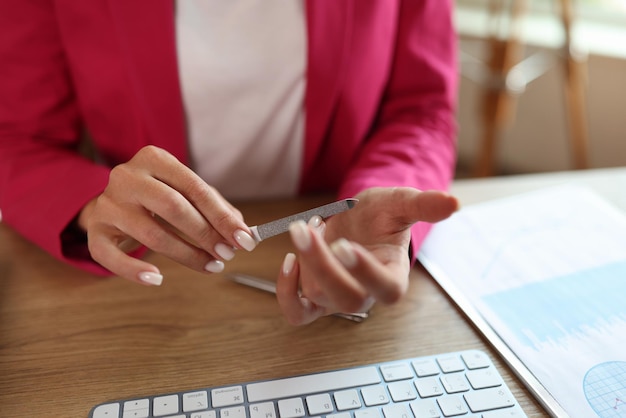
x: 463, y: 384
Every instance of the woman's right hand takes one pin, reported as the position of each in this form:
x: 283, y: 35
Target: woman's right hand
x: 156, y: 201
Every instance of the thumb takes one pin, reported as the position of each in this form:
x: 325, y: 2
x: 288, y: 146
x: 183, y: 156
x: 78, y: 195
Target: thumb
x: 425, y: 206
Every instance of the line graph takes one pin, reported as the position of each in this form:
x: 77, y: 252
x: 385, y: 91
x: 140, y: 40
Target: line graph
x: 567, y: 306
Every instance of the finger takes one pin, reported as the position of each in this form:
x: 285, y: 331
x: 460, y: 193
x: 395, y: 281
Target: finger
x: 158, y: 199
x: 175, y: 210
x: 162, y: 240
x: 384, y: 282
x: 338, y: 289
x: 110, y: 256
x: 297, y: 309
x: 210, y: 204
x: 150, y: 233
x: 224, y: 218
x: 428, y: 206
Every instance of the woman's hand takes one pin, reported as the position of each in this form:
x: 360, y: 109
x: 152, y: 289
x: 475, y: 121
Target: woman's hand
x: 156, y: 201
x: 357, y: 257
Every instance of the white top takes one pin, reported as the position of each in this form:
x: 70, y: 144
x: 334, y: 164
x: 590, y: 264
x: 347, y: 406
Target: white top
x: 242, y: 72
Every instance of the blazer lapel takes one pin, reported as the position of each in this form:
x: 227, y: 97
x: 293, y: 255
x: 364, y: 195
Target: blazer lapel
x: 147, y: 35
x: 329, y: 25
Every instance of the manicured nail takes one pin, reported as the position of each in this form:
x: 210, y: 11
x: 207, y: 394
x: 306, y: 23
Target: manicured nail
x: 148, y: 277
x: 214, y: 266
x: 224, y: 251
x: 288, y: 263
x: 367, y: 305
x: 300, y: 235
x: 344, y: 252
x: 318, y: 224
x: 245, y: 240
x: 315, y: 221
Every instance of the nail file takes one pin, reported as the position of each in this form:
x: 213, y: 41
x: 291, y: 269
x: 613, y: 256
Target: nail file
x: 270, y: 229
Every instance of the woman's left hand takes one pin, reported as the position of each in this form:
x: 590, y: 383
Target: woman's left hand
x: 358, y: 257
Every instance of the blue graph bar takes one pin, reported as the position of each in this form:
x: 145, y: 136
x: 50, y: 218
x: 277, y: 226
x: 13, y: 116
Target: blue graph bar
x: 566, y: 306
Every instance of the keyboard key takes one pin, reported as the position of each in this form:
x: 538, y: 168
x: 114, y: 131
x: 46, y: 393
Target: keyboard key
x: 227, y: 396
x: 367, y: 413
x: 204, y: 414
x: 313, y: 383
x: 291, y: 408
x: 486, y: 399
x: 319, y: 404
x: 425, y: 367
x: 505, y: 413
x: 263, y: 410
x: 374, y: 395
x: 165, y: 405
x: 475, y: 360
x: 452, y: 406
x: 136, y: 413
x: 398, y: 371
x: 455, y: 382
x: 347, y: 399
x: 195, y: 401
x: 136, y: 404
x: 483, y: 378
x: 402, y: 391
x: 450, y: 364
x: 233, y: 412
x: 111, y: 410
x: 340, y: 415
x: 429, y: 386
x: 425, y: 408
x: 139, y: 408
x: 399, y: 410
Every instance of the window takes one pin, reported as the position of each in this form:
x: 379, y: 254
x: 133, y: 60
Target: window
x: 600, y: 25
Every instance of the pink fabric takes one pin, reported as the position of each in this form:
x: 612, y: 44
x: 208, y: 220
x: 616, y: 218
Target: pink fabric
x: 380, y: 101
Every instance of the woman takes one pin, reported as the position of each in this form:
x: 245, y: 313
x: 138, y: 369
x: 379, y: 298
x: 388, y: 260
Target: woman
x: 190, y: 103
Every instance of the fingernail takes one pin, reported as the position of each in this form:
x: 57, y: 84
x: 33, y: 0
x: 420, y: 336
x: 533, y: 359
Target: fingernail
x: 300, y: 235
x: 288, y: 263
x: 315, y: 221
x: 224, y: 251
x: 148, y: 277
x: 344, y: 252
x: 368, y: 304
x: 214, y: 266
x: 245, y: 240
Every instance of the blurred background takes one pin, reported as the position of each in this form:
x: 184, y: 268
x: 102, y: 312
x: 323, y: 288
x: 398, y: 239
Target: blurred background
x: 543, y: 85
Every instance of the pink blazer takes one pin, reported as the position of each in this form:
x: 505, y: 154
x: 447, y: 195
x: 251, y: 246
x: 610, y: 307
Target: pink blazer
x: 380, y: 102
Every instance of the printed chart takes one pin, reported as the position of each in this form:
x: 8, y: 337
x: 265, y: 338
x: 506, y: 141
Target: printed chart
x: 547, y: 272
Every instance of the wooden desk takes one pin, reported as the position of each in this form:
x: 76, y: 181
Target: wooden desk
x: 69, y: 341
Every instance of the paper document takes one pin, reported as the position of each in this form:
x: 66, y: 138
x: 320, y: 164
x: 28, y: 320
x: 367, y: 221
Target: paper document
x: 546, y: 271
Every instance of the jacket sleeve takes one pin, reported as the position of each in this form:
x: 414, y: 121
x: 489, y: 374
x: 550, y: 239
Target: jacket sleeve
x: 44, y: 181
x: 413, y: 142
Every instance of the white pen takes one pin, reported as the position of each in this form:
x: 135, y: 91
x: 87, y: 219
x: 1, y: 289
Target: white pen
x: 270, y: 286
